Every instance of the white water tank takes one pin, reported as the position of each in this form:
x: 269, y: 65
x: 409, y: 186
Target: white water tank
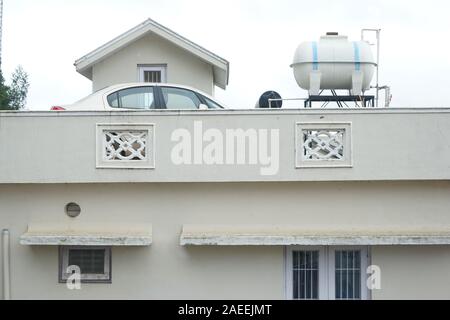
x: 334, y: 63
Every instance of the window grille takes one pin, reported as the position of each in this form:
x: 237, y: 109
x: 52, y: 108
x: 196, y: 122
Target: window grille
x: 89, y: 261
x: 306, y: 274
x: 94, y: 263
x: 152, y: 76
x: 348, y: 274
x: 327, y: 272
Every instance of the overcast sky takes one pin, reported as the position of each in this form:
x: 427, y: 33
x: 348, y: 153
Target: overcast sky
x: 258, y: 37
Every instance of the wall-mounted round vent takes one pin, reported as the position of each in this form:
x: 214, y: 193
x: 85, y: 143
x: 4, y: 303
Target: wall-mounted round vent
x: 73, y: 210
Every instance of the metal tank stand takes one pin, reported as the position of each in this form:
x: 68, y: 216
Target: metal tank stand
x: 361, y: 101
x: 341, y: 101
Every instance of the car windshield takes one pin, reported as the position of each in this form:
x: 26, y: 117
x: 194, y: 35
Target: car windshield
x: 212, y: 104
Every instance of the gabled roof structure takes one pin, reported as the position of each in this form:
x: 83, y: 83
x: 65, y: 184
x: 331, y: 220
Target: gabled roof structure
x: 221, y: 66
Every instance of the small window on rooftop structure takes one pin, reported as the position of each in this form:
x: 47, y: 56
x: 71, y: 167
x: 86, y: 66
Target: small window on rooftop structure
x: 152, y: 74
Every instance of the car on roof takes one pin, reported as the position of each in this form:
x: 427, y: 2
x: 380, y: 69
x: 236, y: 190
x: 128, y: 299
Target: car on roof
x: 144, y: 96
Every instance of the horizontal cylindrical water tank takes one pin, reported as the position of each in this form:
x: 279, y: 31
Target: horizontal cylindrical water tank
x: 336, y: 59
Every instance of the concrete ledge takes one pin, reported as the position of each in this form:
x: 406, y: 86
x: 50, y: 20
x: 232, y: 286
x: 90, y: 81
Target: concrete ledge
x: 85, y: 240
x: 287, y: 236
x: 36, y: 236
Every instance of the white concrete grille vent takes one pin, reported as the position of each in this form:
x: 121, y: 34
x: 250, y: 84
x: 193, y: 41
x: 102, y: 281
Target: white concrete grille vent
x: 323, y: 145
x: 125, y: 146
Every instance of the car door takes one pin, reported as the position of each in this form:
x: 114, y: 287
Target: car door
x: 134, y: 98
x: 179, y: 99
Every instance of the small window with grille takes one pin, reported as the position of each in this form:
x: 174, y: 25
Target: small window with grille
x: 327, y: 273
x: 306, y: 275
x: 152, y: 74
x: 94, y: 263
x: 347, y: 274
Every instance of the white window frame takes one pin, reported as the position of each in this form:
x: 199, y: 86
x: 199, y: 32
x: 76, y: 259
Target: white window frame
x: 162, y: 68
x: 327, y: 269
x: 323, y: 274
x: 364, y: 264
x: 85, y: 278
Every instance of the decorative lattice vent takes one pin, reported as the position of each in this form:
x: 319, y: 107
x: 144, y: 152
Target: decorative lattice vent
x: 324, y: 145
x: 125, y: 146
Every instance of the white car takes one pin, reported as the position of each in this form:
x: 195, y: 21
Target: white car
x: 144, y: 96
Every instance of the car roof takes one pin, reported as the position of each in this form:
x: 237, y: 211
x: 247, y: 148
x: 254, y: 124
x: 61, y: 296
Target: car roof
x: 148, y: 84
x: 99, y: 94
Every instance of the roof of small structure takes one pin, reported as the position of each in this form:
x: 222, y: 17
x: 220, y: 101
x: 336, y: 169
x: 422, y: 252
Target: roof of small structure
x: 221, y: 66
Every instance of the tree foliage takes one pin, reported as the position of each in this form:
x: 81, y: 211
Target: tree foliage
x: 18, y: 90
x: 14, y: 97
x: 4, y: 94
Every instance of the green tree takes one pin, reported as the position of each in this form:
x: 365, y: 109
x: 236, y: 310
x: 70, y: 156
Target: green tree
x: 18, y: 90
x: 4, y: 94
x: 14, y: 97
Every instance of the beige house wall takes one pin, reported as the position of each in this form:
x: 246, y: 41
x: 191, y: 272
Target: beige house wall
x: 61, y: 147
x: 182, y: 67
x: 416, y: 272
x: 167, y: 270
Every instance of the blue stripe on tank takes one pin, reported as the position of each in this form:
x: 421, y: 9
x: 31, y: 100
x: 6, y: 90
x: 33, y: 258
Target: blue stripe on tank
x: 315, y: 56
x: 357, y: 56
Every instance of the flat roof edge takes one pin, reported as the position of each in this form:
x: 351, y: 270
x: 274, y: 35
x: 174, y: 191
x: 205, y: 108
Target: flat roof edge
x: 334, y: 111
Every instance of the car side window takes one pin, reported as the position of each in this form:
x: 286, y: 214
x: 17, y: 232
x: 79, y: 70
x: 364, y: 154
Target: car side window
x: 180, y: 99
x: 133, y: 98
